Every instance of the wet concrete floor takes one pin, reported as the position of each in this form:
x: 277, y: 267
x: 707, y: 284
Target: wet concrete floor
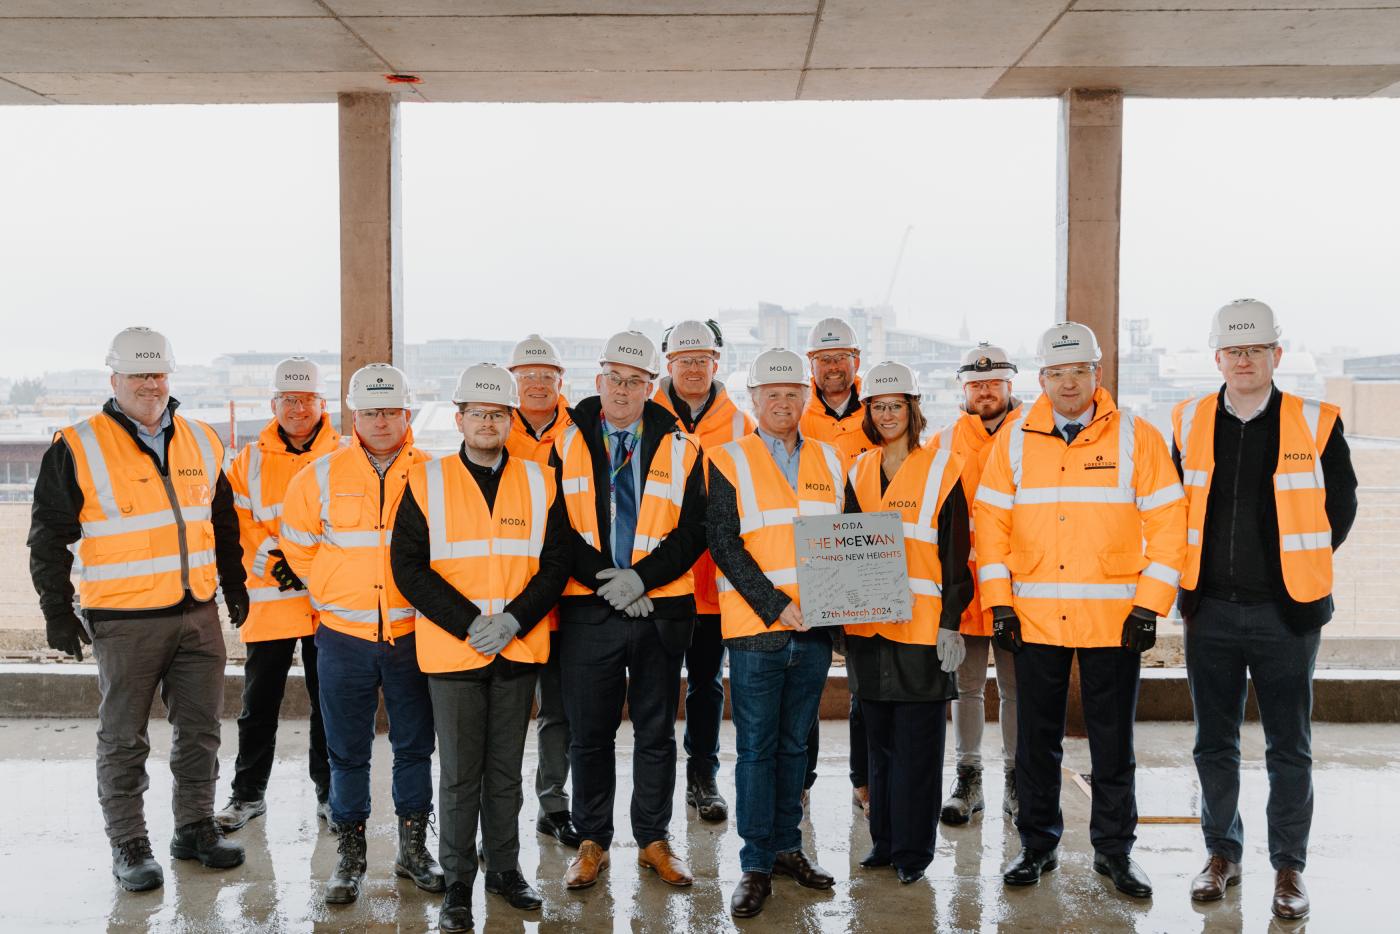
x: 55, y: 869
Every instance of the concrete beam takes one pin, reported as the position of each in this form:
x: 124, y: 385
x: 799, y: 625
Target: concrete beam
x: 1088, y: 215
x: 371, y: 244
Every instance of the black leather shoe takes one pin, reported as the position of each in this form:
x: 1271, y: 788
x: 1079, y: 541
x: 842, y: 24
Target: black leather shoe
x: 456, y: 914
x: 874, y: 860
x: 702, y: 793
x: 204, y: 841
x: 513, y: 887
x: 1026, y: 868
x: 807, y: 873
x: 750, y: 894
x: 560, y: 826
x: 908, y: 875
x: 1127, y: 875
x: 135, y: 866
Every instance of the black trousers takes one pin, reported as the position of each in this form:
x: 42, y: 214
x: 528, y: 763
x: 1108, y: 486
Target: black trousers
x: 906, y: 772
x: 1108, y: 683
x: 264, y: 683
x: 860, y: 750
x: 601, y: 666
x: 704, y: 696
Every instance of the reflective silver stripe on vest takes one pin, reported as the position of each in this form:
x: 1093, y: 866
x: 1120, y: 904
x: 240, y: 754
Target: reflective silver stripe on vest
x: 1048, y: 495
x: 273, y: 594
x: 945, y: 438
x: 261, y: 555
x: 575, y: 485
x: 991, y: 572
x: 1167, y: 494
x: 737, y: 425
x: 646, y: 544
x: 587, y: 539
x: 1188, y: 417
x: 144, y: 523
x: 1015, y: 446
x: 440, y: 549
x: 833, y: 464
x: 534, y: 478
x: 750, y: 518
x: 241, y: 501
x: 1194, y: 477
x: 1127, y: 449
x: 342, y: 539
x: 921, y: 533
x: 678, y: 476
x: 785, y: 576
x: 923, y: 587
x: 1312, y: 414
x: 928, y: 509
x: 162, y: 565
x: 995, y: 497
x: 323, y: 481
x: 305, y: 539
x: 1193, y: 536
x: 255, y: 481
x: 1299, y: 481
x: 396, y: 614
x: 1161, y: 572
x: 437, y: 513
x: 97, y: 468
x: 1307, y: 541
x: 1057, y: 591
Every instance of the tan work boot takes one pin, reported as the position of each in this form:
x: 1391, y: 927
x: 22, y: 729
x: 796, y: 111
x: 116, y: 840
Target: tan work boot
x: 657, y: 856
x: 584, y: 868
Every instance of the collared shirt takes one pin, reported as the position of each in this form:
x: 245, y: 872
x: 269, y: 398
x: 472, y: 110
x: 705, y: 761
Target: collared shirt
x: 787, y: 463
x: 1083, y: 418
x: 845, y: 406
x: 1230, y: 407
x: 382, y: 467
x: 635, y: 464
x: 155, y: 443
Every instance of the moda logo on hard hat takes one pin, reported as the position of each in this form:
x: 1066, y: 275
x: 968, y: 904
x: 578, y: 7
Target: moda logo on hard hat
x: 879, y: 380
x: 1240, y: 326
x: 634, y: 351
x: 148, y: 355
x: 490, y: 387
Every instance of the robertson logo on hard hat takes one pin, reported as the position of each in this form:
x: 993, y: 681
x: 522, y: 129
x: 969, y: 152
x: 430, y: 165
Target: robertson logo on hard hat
x: 1065, y: 341
x: 377, y: 387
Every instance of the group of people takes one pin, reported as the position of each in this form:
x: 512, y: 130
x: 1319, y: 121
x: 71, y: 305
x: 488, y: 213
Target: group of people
x: 574, y: 557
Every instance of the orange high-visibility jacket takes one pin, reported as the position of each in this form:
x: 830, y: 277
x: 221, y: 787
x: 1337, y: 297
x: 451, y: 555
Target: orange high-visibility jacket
x: 147, y: 537
x: 1300, y: 492
x: 722, y: 423
x: 844, y: 433
x: 917, y: 492
x: 521, y: 443
x: 767, y: 506
x: 259, y: 476
x: 488, y: 555
x: 967, y: 437
x: 1073, y: 536
x: 337, y: 523
x: 658, y: 508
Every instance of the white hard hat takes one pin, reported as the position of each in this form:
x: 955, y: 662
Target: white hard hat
x: 831, y: 334
x: 140, y: 350
x: 1242, y: 322
x: 486, y: 382
x: 1069, y: 342
x: 692, y: 335
x: 535, y: 350
x: 889, y: 377
x: 777, y: 367
x: 632, y: 348
x: 985, y: 361
x: 297, y: 374
x: 378, y: 386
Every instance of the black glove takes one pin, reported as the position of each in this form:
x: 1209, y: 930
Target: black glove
x: 1006, y: 630
x: 282, y: 572
x: 1140, y: 630
x: 236, y: 603
x: 66, y: 634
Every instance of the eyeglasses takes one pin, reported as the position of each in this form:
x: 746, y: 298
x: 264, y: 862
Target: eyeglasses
x: 1078, y: 372
x: 388, y: 415
x: 888, y: 408
x: 541, y: 378
x: 142, y: 377
x: 486, y: 415
x: 1253, y: 352
x: 626, y: 383
x: 298, y: 402
x: 982, y: 385
x: 692, y: 363
x: 833, y: 359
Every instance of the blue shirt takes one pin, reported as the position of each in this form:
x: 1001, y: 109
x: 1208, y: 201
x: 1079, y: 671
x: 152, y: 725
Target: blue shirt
x: 155, y: 443
x: 1083, y: 418
x: 787, y: 463
x: 635, y: 464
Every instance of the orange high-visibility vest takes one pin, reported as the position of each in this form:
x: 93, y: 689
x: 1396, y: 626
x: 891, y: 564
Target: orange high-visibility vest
x: 968, y: 438
x: 259, y: 476
x: 1300, y: 491
x: 489, y: 556
x: 767, y: 506
x: 722, y: 423
x: 917, y: 492
x: 658, y: 508
x: 147, y: 537
x: 520, y: 443
x: 1073, y: 536
x: 845, y: 434
x: 336, y: 532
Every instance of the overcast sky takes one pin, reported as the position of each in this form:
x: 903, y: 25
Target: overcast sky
x: 218, y: 224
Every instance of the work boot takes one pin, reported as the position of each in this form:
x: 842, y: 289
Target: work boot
x: 323, y: 812
x: 1010, y: 804
x: 238, y: 812
x: 702, y: 793
x: 202, y: 840
x: 135, y: 866
x: 414, y: 861
x: 344, y: 885
x: 965, y: 799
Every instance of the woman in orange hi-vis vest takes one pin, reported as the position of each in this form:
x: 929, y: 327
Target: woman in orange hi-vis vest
x: 903, y: 672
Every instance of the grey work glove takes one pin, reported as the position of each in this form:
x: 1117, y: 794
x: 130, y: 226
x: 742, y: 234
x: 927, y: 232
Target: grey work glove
x: 490, y: 634
x: 951, y: 650
x: 642, y: 606
x: 623, y: 586
x: 1140, y: 630
x: 66, y: 634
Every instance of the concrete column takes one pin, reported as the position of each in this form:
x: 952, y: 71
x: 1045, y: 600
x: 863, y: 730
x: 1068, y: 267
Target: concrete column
x: 1087, y: 217
x: 371, y: 246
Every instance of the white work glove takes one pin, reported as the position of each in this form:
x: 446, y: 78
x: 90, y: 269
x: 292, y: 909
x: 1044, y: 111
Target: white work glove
x: 642, y: 606
x: 951, y: 650
x: 490, y: 634
x: 623, y: 586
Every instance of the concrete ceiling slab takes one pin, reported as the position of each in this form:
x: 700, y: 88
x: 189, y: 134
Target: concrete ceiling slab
x: 1234, y: 38
x: 125, y: 9
x: 540, y: 87
x: 12, y: 93
x: 929, y: 33
x: 574, y: 43
x: 1255, y: 81
x: 566, y: 7
x: 1139, y: 5
x: 876, y: 84
x: 227, y: 88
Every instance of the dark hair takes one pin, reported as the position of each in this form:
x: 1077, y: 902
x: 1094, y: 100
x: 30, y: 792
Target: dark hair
x: 915, y: 431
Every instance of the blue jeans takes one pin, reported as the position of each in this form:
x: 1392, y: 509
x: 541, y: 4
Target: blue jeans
x: 352, y: 671
x: 775, y: 698
x: 1223, y: 641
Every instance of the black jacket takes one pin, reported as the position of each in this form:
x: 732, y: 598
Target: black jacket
x: 1240, y: 559
x: 54, y: 526
x: 678, y: 551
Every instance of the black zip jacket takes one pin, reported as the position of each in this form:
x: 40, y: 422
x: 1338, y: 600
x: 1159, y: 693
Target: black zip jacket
x: 54, y: 526
x: 1240, y: 560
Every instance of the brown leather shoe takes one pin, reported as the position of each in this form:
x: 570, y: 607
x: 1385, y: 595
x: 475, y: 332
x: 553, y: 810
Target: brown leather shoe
x: 1290, y: 897
x: 750, y: 894
x: 860, y: 797
x: 657, y: 856
x: 584, y: 868
x: 807, y: 873
x: 1217, y: 876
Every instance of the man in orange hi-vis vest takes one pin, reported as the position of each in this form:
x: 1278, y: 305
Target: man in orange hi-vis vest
x: 481, y: 551
x: 280, y: 616
x: 138, y: 489
x: 1081, y: 536
x: 1271, y: 495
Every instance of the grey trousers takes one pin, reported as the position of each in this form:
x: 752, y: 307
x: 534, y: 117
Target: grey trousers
x: 552, y: 740
x: 183, y: 655
x: 481, y: 727
x: 969, y: 710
